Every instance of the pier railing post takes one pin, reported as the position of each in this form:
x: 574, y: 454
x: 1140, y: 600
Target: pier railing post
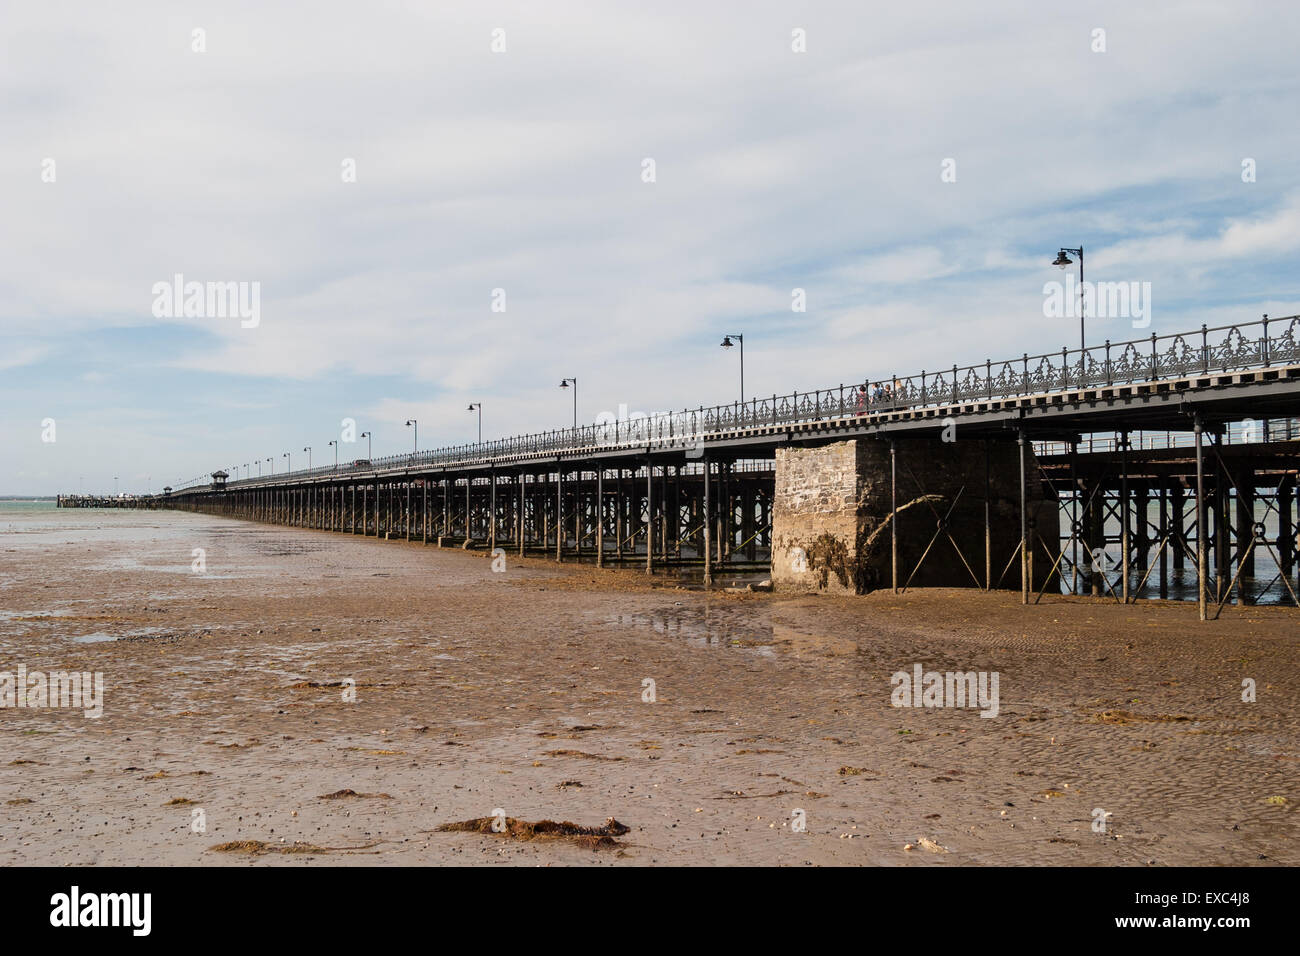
x: 600, y: 515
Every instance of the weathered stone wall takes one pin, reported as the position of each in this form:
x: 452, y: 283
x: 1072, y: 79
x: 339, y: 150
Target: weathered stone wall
x: 815, y: 518
x: 831, y: 515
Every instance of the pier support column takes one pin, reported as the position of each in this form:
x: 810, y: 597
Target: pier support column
x: 988, y: 515
x: 1177, y: 513
x: 1245, y: 480
x: 1165, y: 541
x: 1024, y: 523
x: 893, y: 515
x: 559, y: 513
x: 649, y: 517
x: 708, y: 541
x: 600, y: 516
x: 1095, y: 525
x: 1286, y: 542
x: 1222, y: 536
x: 577, y: 514
x: 1125, y: 554
x: 1202, y: 559
x: 619, y: 504
x: 1141, y: 527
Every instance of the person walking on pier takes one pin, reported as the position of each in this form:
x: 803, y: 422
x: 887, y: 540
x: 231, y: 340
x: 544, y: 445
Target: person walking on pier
x: 862, y: 399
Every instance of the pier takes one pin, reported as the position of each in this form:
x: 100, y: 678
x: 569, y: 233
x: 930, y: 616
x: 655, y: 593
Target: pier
x: 1023, y: 473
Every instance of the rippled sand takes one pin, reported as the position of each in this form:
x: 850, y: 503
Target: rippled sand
x: 523, y: 692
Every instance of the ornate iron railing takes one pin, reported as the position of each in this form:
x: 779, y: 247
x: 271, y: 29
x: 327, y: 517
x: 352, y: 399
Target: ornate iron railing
x: 1225, y: 348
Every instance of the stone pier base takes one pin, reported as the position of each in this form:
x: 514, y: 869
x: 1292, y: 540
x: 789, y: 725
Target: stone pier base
x: 831, y: 516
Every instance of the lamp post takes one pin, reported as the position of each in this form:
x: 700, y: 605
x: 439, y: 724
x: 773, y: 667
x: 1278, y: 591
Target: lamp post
x: 290, y: 465
x: 479, y: 406
x: 308, y: 451
x: 272, y: 461
x: 366, y: 436
x: 415, y: 425
x: 1063, y: 260
x: 335, y: 443
x: 726, y: 344
x: 115, y: 486
x: 565, y: 383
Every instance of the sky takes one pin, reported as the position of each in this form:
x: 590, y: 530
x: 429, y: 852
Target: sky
x: 448, y: 203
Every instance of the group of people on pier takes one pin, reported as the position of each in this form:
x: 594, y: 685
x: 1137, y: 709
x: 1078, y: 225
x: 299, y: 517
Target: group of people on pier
x: 876, y: 394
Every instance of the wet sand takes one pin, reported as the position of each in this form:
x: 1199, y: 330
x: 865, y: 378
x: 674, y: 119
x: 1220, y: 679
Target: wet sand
x: 522, y: 691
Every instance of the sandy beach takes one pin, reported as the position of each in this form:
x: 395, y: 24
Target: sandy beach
x: 320, y: 699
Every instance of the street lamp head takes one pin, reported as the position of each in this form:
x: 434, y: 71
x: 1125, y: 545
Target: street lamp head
x: 564, y: 383
x: 726, y: 342
x: 1063, y: 260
